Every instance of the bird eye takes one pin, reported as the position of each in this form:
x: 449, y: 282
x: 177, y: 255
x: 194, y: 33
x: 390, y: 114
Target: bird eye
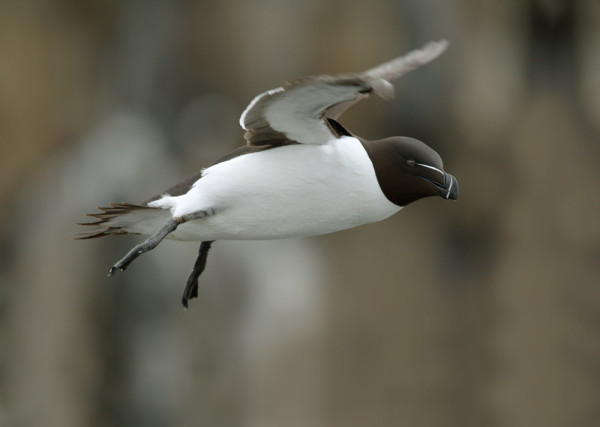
x: 411, y: 162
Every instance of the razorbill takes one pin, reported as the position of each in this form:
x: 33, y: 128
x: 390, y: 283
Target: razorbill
x: 301, y: 173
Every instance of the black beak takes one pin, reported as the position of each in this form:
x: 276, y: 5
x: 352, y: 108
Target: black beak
x: 447, y: 186
x: 450, y: 188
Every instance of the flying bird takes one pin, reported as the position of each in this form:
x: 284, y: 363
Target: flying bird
x: 301, y: 173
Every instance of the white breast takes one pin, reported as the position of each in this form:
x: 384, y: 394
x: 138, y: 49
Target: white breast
x: 295, y: 190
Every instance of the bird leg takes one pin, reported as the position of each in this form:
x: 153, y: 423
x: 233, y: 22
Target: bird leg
x: 147, y: 245
x: 153, y: 241
x: 191, y: 287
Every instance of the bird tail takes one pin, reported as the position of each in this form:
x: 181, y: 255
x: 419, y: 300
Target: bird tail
x: 124, y: 218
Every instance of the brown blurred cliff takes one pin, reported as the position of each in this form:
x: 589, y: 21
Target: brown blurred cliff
x: 482, y: 312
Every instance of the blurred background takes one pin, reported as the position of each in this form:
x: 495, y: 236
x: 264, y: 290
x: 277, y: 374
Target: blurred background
x: 480, y: 312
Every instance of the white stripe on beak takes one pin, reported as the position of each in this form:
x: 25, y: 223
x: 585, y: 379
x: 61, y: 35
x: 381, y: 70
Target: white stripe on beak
x: 449, y: 189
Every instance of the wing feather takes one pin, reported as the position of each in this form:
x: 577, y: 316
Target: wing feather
x: 297, y: 111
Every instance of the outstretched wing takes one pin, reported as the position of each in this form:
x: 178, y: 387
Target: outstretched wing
x: 297, y: 111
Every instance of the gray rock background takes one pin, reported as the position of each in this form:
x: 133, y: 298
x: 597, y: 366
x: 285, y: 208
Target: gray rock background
x: 482, y: 312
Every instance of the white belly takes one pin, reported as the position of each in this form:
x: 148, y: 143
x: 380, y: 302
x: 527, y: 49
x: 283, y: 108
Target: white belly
x: 295, y: 190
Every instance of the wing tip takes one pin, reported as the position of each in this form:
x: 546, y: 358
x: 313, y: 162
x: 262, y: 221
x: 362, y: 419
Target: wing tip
x: 410, y: 61
x: 432, y: 50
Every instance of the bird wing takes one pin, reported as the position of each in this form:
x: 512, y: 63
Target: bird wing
x: 298, y: 110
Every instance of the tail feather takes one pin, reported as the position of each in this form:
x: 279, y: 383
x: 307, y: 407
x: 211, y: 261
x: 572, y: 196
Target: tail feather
x: 123, y: 218
x: 98, y: 233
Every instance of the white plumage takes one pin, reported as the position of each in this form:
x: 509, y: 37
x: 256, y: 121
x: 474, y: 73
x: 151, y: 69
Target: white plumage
x: 292, y: 191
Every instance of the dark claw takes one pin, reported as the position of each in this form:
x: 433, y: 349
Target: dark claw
x: 114, y: 269
x: 191, y: 287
